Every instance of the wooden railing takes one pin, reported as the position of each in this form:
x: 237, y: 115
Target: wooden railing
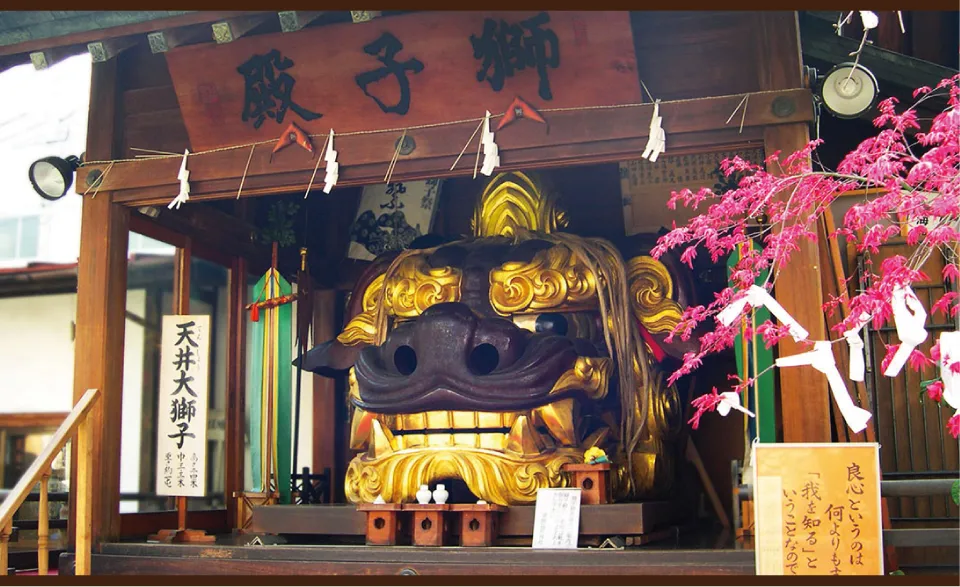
x: 77, y: 423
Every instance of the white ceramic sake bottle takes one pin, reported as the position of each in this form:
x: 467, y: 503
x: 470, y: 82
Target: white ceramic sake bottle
x: 440, y: 494
x: 423, y: 496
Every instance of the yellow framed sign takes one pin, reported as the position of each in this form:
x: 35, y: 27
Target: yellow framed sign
x: 817, y: 509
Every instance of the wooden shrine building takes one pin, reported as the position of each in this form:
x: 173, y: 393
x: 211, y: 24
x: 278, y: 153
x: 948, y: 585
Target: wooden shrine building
x: 262, y: 104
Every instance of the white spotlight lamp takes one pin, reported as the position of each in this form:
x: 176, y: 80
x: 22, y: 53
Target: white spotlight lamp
x: 52, y: 176
x: 849, y: 90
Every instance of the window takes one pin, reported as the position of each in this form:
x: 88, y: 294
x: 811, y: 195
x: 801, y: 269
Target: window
x: 140, y: 244
x: 19, y: 238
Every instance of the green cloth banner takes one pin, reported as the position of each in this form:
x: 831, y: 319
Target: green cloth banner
x: 761, y: 402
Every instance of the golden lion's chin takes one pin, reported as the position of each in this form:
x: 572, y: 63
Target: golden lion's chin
x: 500, y: 478
x: 503, y: 457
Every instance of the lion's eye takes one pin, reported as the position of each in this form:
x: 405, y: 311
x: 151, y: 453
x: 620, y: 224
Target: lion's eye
x: 552, y: 324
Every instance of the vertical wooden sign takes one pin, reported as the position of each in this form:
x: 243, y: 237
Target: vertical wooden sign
x: 817, y: 509
x: 182, y: 413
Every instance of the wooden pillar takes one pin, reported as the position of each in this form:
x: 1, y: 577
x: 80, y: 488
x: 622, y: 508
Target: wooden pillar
x: 324, y: 390
x: 804, y: 396
x: 236, y: 388
x: 101, y: 315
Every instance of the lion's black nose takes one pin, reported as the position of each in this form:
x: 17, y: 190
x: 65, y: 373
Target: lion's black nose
x: 451, y: 337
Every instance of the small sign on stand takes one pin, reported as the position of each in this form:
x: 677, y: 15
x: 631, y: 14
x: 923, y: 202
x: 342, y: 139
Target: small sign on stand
x: 817, y: 509
x: 182, y: 417
x: 556, y: 519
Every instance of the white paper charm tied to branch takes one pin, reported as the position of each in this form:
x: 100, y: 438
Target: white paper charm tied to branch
x: 184, y: 177
x: 657, y: 139
x: 909, y: 316
x: 857, y: 365
x: 491, y: 153
x: 949, y: 354
x: 821, y: 359
x: 333, y: 168
x: 730, y: 400
x: 757, y: 296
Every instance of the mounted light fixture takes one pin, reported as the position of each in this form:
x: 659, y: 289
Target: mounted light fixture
x: 52, y: 176
x: 848, y: 90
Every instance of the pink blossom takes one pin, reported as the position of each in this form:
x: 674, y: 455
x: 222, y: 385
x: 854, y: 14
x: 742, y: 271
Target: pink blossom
x: 935, y: 390
x: 953, y: 425
x: 906, y: 182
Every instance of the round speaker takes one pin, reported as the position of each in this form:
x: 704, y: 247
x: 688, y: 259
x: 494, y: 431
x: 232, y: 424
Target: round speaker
x: 849, y: 90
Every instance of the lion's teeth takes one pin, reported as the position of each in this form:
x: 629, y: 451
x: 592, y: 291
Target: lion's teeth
x: 559, y: 418
x: 381, y: 441
x: 523, y: 438
x: 360, y: 428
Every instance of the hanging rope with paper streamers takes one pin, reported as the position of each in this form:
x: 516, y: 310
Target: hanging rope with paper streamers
x: 166, y: 155
x: 184, y: 177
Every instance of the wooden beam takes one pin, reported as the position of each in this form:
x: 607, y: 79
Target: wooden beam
x: 107, y: 49
x: 49, y: 57
x: 363, y: 15
x: 161, y: 41
x: 231, y: 29
x: 575, y: 137
x: 140, y: 28
x: 292, y: 21
x: 101, y: 312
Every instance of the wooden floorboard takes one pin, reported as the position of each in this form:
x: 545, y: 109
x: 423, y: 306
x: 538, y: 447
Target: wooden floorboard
x: 124, y: 559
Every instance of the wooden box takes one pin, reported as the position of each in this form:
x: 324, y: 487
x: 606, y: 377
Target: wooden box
x: 246, y: 500
x: 431, y: 523
x: 479, y: 523
x: 594, y: 480
x: 383, y: 523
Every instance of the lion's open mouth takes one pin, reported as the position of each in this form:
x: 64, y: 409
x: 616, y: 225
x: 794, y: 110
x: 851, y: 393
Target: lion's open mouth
x: 529, y: 432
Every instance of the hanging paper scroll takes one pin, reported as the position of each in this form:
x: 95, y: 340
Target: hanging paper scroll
x: 817, y: 509
x: 645, y: 187
x: 182, y: 413
x: 391, y: 216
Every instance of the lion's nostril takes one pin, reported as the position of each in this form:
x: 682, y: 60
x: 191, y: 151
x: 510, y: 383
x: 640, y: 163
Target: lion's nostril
x: 405, y: 359
x: 483, y: 359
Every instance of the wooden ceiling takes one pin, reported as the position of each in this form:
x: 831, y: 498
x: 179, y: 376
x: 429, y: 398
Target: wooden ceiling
x: 46, y: 37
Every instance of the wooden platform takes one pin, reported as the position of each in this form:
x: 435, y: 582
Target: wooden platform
x: 166, y: 559
x: 619, y: 519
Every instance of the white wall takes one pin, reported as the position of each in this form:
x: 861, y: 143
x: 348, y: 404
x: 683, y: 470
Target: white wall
x: 42, y: 114
x: 36, y: 353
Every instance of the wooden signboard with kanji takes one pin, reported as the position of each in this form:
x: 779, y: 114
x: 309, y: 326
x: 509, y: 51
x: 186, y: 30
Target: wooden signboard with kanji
x: 817, y: 509
x: 403, y: 72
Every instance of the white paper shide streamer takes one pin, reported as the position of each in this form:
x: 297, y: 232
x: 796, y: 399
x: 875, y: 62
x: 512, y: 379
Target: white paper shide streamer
x: 730, y: 400
x: 184, y: 177
x: 657, y: 139
x: 333, y: 168
x: 821, y: 359
x: 909, y: 317
x: 950, y: 353
x: 855, y: 343
x: 757, y: 296
x: 491, y: 153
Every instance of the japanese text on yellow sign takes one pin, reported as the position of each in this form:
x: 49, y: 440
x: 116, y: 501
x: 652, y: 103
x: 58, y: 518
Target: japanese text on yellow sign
x: 818, y: 509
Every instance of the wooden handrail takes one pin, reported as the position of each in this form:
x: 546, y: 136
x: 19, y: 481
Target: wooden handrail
x: 77, y: 422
